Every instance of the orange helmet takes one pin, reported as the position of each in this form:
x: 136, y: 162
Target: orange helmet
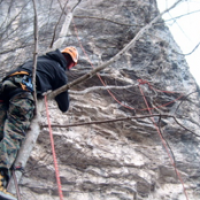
x: 72, y: 51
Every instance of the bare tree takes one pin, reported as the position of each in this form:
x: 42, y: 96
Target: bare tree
x: 13, y: 24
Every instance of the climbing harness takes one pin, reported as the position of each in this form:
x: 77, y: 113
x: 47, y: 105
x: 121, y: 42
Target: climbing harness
x: 18, y: 73
x: 23, y: 78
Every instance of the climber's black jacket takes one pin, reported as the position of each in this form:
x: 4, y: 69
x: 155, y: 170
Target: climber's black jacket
x: 50, y: 75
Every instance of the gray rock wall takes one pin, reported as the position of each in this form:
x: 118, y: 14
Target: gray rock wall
x: 126, y: 159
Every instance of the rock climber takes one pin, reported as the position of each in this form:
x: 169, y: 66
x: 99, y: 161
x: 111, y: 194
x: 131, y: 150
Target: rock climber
x: 17, y: 105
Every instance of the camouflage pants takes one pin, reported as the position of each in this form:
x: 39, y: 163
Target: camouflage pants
x: 15, y: 118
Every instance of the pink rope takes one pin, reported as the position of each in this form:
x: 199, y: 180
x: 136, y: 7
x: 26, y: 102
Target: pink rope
x: 53, y: 152
x: 164, y: 144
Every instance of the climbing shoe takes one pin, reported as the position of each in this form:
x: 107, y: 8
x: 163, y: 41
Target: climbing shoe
x: 4, y: 195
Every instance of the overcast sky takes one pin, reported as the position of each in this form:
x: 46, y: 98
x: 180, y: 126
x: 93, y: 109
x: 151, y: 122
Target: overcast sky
x: 186, y: 30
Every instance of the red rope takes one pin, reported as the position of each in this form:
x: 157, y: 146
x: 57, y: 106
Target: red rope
x: 53, y: 152
x: 163, y: 142
x: 142, y: 82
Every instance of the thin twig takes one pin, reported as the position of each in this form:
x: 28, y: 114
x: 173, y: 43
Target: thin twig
x: 106, y: 19
x: 193, y: 12
x: 58, y: 22
x: 79, y: 1
x: 120, y: 119
x: 187, y: 54
x: 99, y: 88
x: 58, y: 43
x: 184, y: 98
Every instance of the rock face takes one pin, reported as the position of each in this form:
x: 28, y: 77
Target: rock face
x: 129, y: 159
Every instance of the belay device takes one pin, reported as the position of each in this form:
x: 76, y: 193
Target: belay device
x: 27, y: 81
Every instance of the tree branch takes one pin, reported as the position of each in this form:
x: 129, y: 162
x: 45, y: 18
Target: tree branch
x: 54, y: 33
x: 99, y: 88
x: 58, y: 43
x: 35, y: 54
x: 121, y: 119
x: 25, y: 150
x: 79, y: 1
x: 187, y: 54
x: 193, y: 12
x: 14, y: 49
x: 184, y: 98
